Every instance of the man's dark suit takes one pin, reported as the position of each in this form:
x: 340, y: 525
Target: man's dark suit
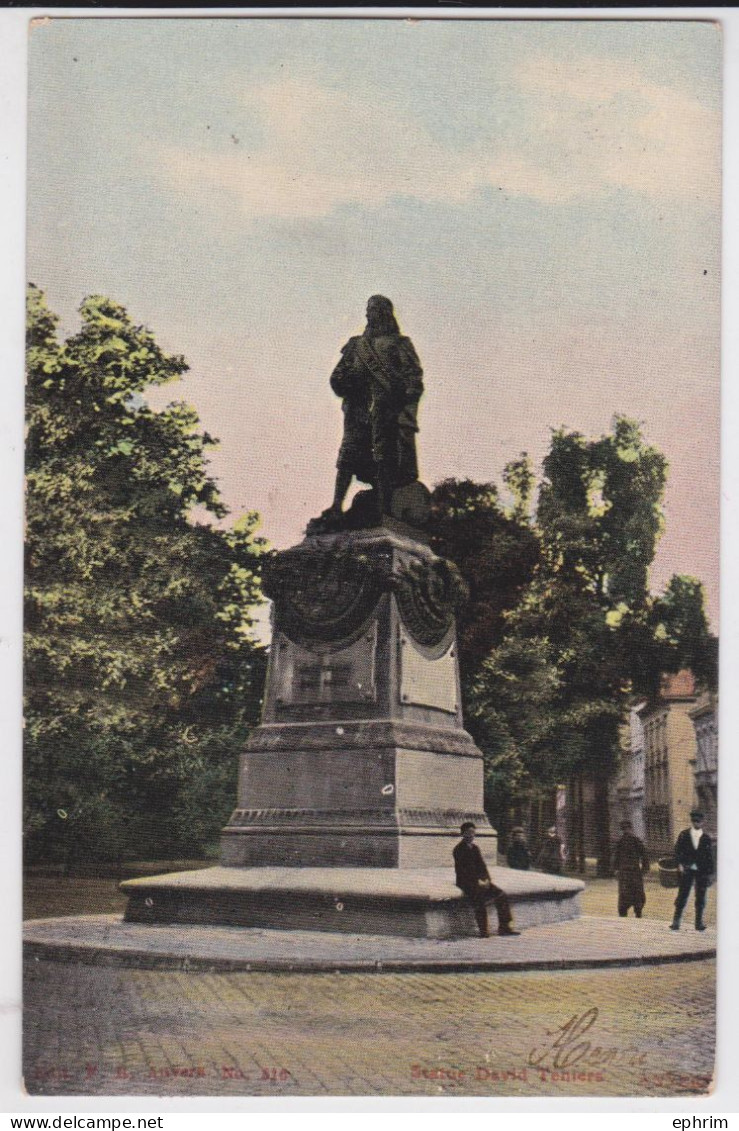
x: 697, y: 865
x: 631, y: 863
x: 470, y: 869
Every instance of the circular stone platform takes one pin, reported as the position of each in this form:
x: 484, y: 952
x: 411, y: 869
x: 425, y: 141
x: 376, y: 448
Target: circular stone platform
x: 585, y: 942
x: 407, y: 902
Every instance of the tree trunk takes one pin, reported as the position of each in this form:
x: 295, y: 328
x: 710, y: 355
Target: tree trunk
x: 603, y: 826
x: 580, y: 824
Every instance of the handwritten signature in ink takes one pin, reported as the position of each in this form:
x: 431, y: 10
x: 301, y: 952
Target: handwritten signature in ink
x: 574, y: 1043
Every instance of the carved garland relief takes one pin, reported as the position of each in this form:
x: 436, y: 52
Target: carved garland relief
x: 326, y: 596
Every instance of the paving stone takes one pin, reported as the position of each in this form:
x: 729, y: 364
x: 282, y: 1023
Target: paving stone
x: 94, y: 1030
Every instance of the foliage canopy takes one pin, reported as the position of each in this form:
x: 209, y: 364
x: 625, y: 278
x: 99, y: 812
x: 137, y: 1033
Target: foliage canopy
x: 562, y: 631
x: 141, y: 673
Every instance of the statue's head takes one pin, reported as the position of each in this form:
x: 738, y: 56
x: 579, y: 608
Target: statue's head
x: 380, y: 316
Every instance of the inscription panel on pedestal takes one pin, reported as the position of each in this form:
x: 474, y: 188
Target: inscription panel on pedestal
x: 424, y: 681
x: 314, y: 676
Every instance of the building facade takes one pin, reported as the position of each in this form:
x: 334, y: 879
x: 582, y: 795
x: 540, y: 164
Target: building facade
x: 627, y: 791
x: 667, y: 765
x: 704, y: 716
x: 669, y: 761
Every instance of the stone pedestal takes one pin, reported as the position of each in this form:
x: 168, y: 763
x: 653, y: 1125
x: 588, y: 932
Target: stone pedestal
x: 361, y: 759
x: 352, y: 790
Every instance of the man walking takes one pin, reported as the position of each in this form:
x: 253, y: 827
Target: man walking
x: 473, y: 878
x: 631, y: 863
x: 694, y: 855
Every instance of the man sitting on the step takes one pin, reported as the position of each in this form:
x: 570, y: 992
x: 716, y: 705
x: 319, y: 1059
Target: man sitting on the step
x: 473, y: 878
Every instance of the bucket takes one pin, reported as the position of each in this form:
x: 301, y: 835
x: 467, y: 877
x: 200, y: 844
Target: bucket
x: 669, y: 875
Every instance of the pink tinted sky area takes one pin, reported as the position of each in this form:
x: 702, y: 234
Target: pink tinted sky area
x: 540, y: 199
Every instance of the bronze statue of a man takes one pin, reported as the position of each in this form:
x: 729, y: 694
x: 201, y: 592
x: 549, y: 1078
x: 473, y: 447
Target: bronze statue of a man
x: 379, y: 381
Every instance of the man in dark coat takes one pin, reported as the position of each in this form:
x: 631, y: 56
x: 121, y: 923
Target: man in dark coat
x: 518, y: 851
x: 694, y: 855
x: 379, y: 379
x: 473, y: 878
x: 632, y: 864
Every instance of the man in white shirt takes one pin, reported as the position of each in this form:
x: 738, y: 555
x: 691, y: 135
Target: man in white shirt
x: 694, y: 855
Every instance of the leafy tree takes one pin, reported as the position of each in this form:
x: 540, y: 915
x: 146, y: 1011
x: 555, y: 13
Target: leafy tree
x: 511, y: 709
x: 496, y: 552
x: 519, y: 478
x: 588, y: 614
x: 141, y: 673
x: 681, y: 635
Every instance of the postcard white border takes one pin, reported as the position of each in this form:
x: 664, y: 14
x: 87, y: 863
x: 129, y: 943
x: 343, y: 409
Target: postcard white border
x: 13, y: 78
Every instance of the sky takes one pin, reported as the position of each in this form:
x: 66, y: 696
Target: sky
x: 540, y: 200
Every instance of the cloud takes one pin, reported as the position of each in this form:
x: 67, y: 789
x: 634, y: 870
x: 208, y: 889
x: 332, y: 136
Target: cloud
x: 595, y: 124
x: 584, y: 128
x: 324, y: 148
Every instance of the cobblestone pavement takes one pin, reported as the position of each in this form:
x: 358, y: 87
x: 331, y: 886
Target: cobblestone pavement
x: 589, y: 941
x: 109, y: 1031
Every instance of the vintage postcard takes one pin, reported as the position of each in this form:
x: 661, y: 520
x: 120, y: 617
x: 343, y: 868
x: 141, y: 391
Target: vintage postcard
x: 371, y: 582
